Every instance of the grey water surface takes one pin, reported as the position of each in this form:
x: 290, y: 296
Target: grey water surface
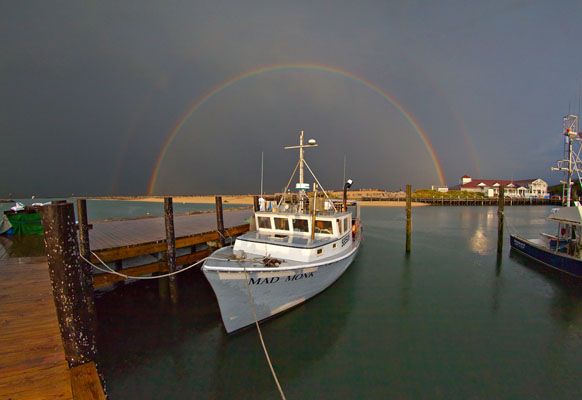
x: 451, y: 320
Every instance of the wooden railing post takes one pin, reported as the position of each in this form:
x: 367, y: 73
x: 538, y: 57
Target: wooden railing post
x: 220, y: 220
x: 72, y: 283
x: 171, y: 252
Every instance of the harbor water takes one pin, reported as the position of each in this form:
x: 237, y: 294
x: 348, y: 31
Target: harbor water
x: 450, y: 320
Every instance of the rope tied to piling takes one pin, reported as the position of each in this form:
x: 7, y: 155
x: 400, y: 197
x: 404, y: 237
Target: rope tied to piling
x: 110, y: 270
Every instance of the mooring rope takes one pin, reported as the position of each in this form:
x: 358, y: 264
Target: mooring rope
x: 512, y: 228
x: 110, y: 270
x: 260, y: 334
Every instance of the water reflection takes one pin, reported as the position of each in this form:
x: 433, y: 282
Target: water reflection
x: 566, y: 303
x: 13, y: 246
x: 139, y: 333
x: 479, y: 243
x: 480, y: 226
x: 407, y: 279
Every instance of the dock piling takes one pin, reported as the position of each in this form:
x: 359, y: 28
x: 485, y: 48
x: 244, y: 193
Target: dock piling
x: 408, y: 216
x: 72, y: 286
x: 500, y: 218
x: 85, y: 251
x: 219, y: 220
x: 171, y: 252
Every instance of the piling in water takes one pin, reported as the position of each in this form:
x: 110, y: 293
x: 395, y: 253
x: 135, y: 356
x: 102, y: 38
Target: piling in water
x: 85, y: 251
x: 500, y: 217
x: 408, y: 216
x: 72, y: 283
x: 219, y: 220
x: 171, y: 252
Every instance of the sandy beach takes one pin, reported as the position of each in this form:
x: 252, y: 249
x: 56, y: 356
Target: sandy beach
x: 248, y: 199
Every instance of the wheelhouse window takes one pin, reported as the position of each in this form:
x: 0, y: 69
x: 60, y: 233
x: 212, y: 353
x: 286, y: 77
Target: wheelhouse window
x: 345, y: 225
x: 324, y: 227
x: 281, y: 223
x: 265, y: 222
x: 300, y: 225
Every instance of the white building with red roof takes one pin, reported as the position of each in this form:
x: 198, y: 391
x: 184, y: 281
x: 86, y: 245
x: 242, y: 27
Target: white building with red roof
x: 513, y: 188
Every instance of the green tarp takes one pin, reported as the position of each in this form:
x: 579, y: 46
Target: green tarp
x: 26, y: 223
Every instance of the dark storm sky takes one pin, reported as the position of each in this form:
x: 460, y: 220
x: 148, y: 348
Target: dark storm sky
x: 92, y: 92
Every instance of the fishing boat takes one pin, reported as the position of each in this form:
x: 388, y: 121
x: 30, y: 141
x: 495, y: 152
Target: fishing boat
x: 295, y: 250
x: 561, y: 250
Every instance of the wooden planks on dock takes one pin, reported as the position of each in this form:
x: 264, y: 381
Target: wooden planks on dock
x: 85, y: 382
x: 32, y: 359
x: 130, y: 238
x: 111, y: 234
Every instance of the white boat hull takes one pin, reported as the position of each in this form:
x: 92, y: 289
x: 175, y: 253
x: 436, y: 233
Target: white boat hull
x: 273, y: 290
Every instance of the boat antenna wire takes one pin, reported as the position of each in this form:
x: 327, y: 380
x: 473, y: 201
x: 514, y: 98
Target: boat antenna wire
x: 259, y: 331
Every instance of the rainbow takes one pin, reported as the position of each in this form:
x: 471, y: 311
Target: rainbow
x: 300, y: 66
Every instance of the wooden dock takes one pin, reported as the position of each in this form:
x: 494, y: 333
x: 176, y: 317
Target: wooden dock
x: 116, y: 241
x: 32, y: 359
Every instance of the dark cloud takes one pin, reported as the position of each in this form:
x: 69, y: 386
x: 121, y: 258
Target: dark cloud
x: 91, y: 92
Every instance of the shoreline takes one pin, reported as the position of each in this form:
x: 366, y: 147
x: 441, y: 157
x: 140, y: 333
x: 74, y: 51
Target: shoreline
x: 241, y: 199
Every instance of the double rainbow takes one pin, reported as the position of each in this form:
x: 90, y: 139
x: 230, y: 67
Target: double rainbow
x: 302, y: 66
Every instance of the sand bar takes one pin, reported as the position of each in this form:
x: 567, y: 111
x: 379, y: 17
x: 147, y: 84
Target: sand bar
x: 247, y: 199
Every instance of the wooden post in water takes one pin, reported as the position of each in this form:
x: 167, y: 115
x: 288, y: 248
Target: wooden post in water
x: 72, y: 285
x: 500, y: 217
x: 171, y: 252
x: 84, y: 247
x: 85, y: 251
x: 219, y: 220
x: 256, y: 203
x: 408, y: 216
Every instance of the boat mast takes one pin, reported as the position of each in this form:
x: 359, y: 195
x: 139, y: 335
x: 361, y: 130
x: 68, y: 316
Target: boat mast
x: 301, y: 186
x: 571, y: 162
x: 301, y: 158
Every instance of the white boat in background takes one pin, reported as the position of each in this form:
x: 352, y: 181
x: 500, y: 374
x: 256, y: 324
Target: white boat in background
x: 297, y: 249
x: 561, y: 250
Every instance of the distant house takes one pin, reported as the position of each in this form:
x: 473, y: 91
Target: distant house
x: 443, y: 189
x: 513, y: 188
